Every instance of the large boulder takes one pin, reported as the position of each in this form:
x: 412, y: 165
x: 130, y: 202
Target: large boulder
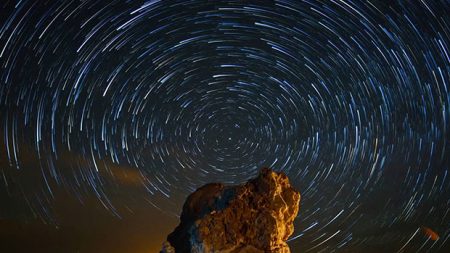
x: 256, y: 217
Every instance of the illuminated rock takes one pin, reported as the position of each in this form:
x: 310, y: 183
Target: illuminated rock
x: 256, y: 217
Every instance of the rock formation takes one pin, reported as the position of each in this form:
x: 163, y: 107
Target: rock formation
x: 256, y: 217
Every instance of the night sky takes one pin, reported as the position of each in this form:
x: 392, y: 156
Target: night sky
x: 112, y: 112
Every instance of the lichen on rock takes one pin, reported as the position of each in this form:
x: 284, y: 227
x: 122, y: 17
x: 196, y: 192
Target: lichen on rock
x: 256, y: 217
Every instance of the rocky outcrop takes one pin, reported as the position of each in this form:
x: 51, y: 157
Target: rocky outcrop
x: 256, y: 217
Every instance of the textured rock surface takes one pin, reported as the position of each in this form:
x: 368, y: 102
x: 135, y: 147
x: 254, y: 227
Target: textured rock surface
x: 256, y: 217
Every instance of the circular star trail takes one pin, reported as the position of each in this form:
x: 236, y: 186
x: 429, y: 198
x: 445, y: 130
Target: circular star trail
x: 351, y: 99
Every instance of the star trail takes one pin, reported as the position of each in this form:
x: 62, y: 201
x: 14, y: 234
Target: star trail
x: 351, y: 99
